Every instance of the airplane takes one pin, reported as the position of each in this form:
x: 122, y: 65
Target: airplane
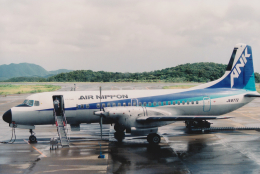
x: 141, y: 112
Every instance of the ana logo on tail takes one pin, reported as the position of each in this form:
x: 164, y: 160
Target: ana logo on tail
x: 236, y: 70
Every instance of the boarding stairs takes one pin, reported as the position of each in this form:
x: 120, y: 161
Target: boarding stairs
x: 62, y: 129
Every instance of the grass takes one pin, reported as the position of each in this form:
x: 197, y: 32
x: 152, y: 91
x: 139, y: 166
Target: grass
x: 23, y: 89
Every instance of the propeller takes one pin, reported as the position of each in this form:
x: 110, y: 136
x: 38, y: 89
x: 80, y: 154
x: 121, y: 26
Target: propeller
x: 101, y: 115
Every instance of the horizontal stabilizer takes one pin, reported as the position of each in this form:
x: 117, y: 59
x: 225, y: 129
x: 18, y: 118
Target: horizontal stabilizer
x: 252, y: 95
x: 179, y: 118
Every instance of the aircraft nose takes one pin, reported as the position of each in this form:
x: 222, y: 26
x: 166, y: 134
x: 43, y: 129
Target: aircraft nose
x: 7, y: 117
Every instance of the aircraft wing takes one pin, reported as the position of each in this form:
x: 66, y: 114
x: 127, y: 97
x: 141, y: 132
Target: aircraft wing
x: 252, y: 95
x: 178, y: 118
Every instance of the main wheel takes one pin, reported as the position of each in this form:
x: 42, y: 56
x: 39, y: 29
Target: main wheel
x: 119, y: 136
x: 154, y: 138
x: 119, y: 128
x: 32, y: 139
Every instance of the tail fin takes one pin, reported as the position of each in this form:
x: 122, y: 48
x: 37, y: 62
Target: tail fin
x: 240, y: 71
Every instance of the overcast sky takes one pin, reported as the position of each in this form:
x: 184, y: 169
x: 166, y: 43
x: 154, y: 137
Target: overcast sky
x: 126, y: 35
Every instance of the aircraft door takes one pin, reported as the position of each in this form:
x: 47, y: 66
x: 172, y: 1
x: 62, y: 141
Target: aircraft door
x: 134, y: 102
x: 58, y: 104
x: 206, y: 104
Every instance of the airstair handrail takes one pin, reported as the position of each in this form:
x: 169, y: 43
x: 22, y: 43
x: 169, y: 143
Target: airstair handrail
x: 67, y: 129
x: 56, y: 123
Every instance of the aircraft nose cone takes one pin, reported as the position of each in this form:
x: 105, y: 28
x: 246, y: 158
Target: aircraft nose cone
x: 7, y: 117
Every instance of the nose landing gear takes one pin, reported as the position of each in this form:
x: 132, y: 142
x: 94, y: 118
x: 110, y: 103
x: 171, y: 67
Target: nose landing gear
x: 32, y: 138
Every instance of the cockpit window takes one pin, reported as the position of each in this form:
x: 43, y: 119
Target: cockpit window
x: 25, y: 101
x: 28, y: 102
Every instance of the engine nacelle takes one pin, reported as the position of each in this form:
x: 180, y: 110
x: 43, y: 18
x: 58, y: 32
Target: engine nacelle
x: 127, y: 116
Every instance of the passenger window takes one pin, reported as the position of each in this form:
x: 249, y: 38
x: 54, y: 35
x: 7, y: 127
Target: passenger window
x: 159, y: 103
x: 134, y: 103
x: 124, y: 104
x: 98, y: 105
x: 108, y: 105
x: 149, y: 104
x: 87, y: 105
x: 173, y: 102
x: 192, y: 102
x: 169, y: 103
x: 79, y: 106
x: 179, y: 102
x: 140, y: 103
x: 114, y: 104
x: 154, y: 103
x: 82, y: 106
x: 197, y: 102
x: 183, y: 102
x: 188, y: 102
x: 164, y: 103
x: 36, y: 103
x: 119, y: 104
x: 144, y: 103
x: 129, y: 104
x: 103, y: 105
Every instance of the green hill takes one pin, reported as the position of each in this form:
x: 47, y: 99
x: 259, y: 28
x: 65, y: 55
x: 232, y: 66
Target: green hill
x: 21, y: 70
x: 197, y: 72
x: 25, y: 70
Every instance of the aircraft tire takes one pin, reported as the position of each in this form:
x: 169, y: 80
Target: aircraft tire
x: 154, y: 138
x: 33, y: 139
x: 119, y: 136
x: 119, y: 128
x: 149, y: 138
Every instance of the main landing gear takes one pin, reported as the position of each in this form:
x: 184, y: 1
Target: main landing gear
x: 32, y: 138
x: 119, y: 134
x: 154, y: 138
x: 197, y: 124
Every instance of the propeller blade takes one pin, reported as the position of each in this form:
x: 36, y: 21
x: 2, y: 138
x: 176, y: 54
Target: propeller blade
x: 101, y: 116
x: 100, y: 98
x: 101, y: 122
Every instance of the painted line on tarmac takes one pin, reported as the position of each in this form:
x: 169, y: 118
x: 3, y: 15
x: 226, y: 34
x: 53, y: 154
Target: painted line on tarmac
x: 35, y: 149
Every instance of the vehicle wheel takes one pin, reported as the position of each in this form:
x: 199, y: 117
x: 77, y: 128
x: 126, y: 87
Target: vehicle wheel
x: 154, y: 138
x: 32, y: 139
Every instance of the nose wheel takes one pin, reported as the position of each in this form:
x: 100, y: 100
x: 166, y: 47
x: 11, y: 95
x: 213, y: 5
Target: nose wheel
x: 32, y: 138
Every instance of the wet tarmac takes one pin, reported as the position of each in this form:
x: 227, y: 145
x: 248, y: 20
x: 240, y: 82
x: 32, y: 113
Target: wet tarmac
x: 178, y: 152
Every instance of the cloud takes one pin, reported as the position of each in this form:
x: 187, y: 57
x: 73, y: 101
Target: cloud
x: 125, y: 35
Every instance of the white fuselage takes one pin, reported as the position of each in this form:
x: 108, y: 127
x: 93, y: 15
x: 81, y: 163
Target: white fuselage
x: 80, y: 105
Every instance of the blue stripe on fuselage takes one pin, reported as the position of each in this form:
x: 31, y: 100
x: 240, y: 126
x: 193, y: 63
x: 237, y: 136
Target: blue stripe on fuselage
x: 193, y: 95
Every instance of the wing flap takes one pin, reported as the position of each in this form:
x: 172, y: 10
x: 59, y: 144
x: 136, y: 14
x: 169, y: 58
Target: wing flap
x: 178, y: 118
